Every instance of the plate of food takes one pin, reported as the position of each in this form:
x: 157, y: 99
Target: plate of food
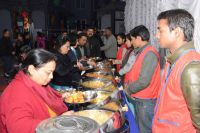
x: 80, y: 97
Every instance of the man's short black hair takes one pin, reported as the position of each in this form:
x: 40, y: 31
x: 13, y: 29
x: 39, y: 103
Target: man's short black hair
x: 5, y: 30
x: 179, y: 18
x: 81, y: 34
x: 140, y: 31
x: 25, y: 49
x: 90, y: 27
x: 109, y: 28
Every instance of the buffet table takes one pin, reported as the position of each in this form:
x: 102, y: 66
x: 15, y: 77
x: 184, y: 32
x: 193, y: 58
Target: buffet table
x: 96, y: 101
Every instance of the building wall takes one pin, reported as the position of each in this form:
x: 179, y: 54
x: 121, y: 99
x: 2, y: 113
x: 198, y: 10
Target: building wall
x: 81, y: 12
x: 38, y: 9
x: 5, y: 20
x: 105, y: 21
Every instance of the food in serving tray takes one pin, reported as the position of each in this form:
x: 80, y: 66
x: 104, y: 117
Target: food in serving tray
x: 94, y: 75
x: 97, y: 75
x: 101, y: 97
x: 111, y: 87
x: 75, y: 97
x: 93, y: 84
x: 111, y: 105
x: 100, y: 116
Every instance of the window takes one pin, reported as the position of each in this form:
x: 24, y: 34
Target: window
x: 73, y: 4
x: 83, y: 24
x: 80, y: 4
x: 78, y: 25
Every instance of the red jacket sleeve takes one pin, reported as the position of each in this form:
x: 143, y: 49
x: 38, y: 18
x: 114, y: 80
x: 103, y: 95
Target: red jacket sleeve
x: 20, y: 120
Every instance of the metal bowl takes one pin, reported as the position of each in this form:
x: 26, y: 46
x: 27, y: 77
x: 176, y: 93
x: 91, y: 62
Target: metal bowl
x: 97, y: 59
x: 125, y: 128
x: 93, y: 83
x: 88, y: 97
x: 95, y: 115
x: 112, y: 105
x: 104, y: 118
x: 99, y: 74
x: 104, y: 64
x: 98, y: 84
x: 103, y: 98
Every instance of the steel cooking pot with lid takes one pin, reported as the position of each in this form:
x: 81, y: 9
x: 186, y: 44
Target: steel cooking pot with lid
x: 68, y: 124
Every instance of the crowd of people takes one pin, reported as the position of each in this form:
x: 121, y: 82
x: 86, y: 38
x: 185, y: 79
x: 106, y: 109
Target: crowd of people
x: 167, y: 102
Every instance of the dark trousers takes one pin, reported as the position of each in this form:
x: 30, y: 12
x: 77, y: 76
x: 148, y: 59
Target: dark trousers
x: 144, y: 112
x: 7, y: 63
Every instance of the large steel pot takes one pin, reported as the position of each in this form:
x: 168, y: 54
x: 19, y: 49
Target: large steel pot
x: 68, y: 124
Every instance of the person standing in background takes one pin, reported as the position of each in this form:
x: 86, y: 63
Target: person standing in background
x: 27, y: 40
x: 121, y: 38
x: 18, y: 43
x: 142, y: 82
x: 40, y: 40
x: 110, y: 44
x: 73, y: 45
x: 81, y: 49
x: 93, y: 44
x: 178, y: 105
x: 65, y: 72
x: 6, y: 51
x: 129, y: 57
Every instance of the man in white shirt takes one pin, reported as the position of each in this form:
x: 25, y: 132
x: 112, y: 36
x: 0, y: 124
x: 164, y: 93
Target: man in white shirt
x: 110, y: 44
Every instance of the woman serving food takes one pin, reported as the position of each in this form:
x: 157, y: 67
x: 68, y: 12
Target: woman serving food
x: 29, y: 99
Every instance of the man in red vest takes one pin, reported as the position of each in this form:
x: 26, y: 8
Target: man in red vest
x: 178, y: 105
x: 142, y: 82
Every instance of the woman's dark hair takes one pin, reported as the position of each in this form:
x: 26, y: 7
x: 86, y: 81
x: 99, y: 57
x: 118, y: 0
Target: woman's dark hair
x: 60, y: 41
x: 20, y: 34
x: 179, y: 18
x: 90, y: 27
x: 25, y: 49
x: 37, y: 58
x: 73, y: 38
x: 40, y: 34
x: 128, y: 36
x: 122, y: 36
x: 141, y: 31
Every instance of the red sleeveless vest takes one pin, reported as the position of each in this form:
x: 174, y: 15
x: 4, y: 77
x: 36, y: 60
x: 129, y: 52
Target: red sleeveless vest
x: 119, y: 55
x: 171, y: 111
x: 150, y: 91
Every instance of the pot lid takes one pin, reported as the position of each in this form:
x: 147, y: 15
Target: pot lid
x: 68, y: 124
